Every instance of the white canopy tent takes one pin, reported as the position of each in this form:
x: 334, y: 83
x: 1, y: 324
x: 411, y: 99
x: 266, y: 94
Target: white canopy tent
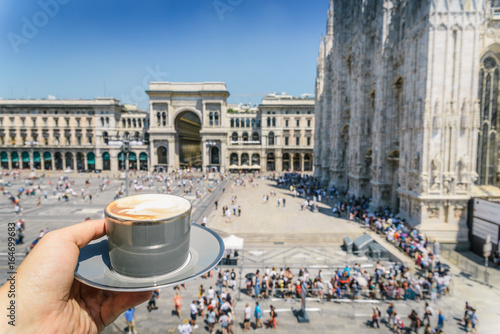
x: 233, y: 242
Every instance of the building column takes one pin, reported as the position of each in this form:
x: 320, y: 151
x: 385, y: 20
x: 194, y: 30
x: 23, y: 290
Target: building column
x: 302, y: 161
x: 9, y: 160
x: 204, y: 159
x: 173, y: 156
x: 63, y: 158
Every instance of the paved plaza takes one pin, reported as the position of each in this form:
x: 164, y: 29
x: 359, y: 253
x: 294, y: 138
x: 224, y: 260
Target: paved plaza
x: 274, y: 236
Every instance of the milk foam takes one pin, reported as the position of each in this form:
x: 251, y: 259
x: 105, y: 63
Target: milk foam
x: 148, y: 206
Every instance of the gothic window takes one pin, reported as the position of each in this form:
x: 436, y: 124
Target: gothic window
x: 487, y: 152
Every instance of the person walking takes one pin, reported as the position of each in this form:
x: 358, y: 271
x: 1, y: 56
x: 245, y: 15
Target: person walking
x: 239, y: 210
x: 427, y: 314
x: 272, y: 319
x: 375, y: 317
x: 211, y: 318
x: 247, y: 317
x: 129, y: 318
x: 178, y: 304
x: 185, y: 328
x: 258, y: 315
x: 194, y: 312
x: 284, y: 202
x: 441, y: 320
x: 216, y: 204
x: 152, y: 301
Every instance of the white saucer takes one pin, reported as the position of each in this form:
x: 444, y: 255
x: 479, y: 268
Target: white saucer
x: 94, y: 269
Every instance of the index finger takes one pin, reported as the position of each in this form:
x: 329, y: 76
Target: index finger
x: 83, y: 233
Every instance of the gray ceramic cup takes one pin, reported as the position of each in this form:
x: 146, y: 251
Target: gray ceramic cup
x: 148, y: 235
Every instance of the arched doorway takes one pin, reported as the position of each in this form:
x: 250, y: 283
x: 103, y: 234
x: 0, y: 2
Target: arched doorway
x: 132, y: 160
x: 143, y: 161
x: 245, y: 159
x: 15, y: 159
x: 25, y: 157
x: 80, y: 161
x: 286, y: 162
x: 121, y: 161
x: 37, y: 161
x: 307, y: 162
x: 91, y: 161
x: 5, y: 160
x: 271, y: 165
x: 214, y: 156
x: 69, y: 160
x: 47, y: 160
x: 58, y: 160
x: 106, y: 161
x: 255, y: 160
x: 233, y: 159
x: 296, y: 162
x: 188, y: 126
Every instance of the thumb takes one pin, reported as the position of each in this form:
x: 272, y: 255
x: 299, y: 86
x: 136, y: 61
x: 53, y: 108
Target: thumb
x: 117, y: 304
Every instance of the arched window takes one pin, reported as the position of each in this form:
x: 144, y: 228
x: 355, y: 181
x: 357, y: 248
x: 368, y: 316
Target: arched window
x: 211, y: 118
x: 233, y: 159
x: 487, y: 151
x: 105, y: 137
x: 270, y: 138
x: 255, y: 136
x: 274, y: 121
x: 269, y: 121
x: 237, y: 122
x: 232, y: 122
x: 129, y: 123
x: 158, y: 115
x: 255, y: 159
x: 124, y: 123
x: 137, y: 136
x: 253, y: 122
x: 139, y: 122
x: 242, y: 122
x: 245, y: 136
x: 164, y: 117
x: 102, y: 121
x: 248, y: 122
x: 234, y: 136
x: 107, y: 121
x: 134, y: 122
x: 126, y: 135
x: 143, y: 161
x: 216, y: 117
x: 162, y: 155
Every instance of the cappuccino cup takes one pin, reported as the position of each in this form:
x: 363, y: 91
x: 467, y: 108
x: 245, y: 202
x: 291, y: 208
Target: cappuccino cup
x: 148, y: 235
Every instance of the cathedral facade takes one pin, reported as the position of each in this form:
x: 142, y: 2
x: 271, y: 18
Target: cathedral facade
x: 407, y: 106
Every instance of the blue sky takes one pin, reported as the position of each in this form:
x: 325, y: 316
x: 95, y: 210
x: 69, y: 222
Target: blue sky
x: 91, y: 48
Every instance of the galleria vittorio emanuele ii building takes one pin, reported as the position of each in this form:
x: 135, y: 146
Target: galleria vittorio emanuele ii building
x: 407, y: 106
x: 188, y: 124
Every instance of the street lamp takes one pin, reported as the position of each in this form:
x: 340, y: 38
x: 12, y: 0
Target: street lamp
x: 32, y: 144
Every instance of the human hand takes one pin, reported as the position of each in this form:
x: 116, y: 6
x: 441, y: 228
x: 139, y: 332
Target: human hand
x: 48, y: 297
